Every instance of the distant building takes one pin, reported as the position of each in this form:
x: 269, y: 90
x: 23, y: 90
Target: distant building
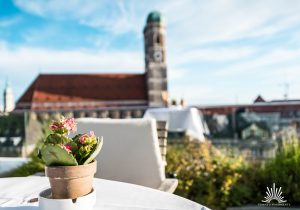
x: 256, y: 130
x: 285, y: 107
x: 256, y: 142
x: 259, y: 99
x: 105, y: 95
x: 8, y: 99
x: 279, y: 113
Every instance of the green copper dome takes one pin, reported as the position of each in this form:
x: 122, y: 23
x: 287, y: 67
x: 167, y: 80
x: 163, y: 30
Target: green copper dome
x: 154, y: 17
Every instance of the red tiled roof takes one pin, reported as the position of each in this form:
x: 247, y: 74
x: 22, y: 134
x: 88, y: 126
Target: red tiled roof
x: 54, y: 88
x: 263, y: 107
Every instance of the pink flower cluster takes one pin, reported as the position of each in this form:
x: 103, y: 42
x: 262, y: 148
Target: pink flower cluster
x: 68, y: 148
x: 70, y: 124
x: 63, y: 125
x: 87, y: 138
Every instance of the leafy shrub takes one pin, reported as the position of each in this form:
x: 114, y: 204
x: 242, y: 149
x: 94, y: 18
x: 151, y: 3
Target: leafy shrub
x: 284, y: 170
x: 205, y: 174
x: 218, y: 180
x: 35, y: 165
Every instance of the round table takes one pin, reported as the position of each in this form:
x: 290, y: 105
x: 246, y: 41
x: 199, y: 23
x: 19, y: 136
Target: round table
x: 16, y: 192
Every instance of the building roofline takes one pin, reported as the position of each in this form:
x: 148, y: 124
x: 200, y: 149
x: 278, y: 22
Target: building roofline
x: 258, y: 104
x: 120, y: 108
x: 90, y: 74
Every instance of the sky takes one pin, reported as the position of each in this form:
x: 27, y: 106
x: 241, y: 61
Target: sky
x: 218, y: 51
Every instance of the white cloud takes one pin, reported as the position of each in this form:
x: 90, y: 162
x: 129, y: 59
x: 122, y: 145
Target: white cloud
x: 212, y: 54
x: 277, y: 56
x: 204, y: 94
x: 33, y: 59
x: 190, y: 93
x: 193, y: 21
x: 114, y: 16
x: 196, y: 31
x: 21, y: 64
x: 199, y: 22
x: 176, y: 73
x: 189, y: 23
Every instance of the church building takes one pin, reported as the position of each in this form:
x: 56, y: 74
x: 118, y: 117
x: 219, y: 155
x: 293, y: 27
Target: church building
x: 105, y: 95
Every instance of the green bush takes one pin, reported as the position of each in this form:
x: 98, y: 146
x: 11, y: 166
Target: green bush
x: 212, y: 178
x: 205, y: 174
x: 35, y: 164
x: 284, y: 171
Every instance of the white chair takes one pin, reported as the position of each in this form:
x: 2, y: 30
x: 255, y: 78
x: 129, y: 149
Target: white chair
x: 130, y: 152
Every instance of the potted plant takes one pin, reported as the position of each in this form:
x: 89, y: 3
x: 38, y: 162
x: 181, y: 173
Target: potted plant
x: 70, y: 162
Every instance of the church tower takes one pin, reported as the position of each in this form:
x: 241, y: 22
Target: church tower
x: 8, y: 98
x: 155, y: 59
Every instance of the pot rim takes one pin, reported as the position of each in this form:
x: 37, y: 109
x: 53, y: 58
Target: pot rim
x: 68, y: 172
x: 78, y: 166
x: 43, y: 194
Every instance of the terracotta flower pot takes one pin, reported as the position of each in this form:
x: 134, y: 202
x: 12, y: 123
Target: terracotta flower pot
x: 71, y: 181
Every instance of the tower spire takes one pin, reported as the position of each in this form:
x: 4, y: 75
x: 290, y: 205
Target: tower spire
x: 155, y: 59
x: 8, y: 97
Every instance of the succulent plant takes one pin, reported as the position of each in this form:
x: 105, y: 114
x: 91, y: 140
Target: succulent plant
x: 60, y: 150
x: 56, y: 138
x: 54, y: 155
x: 95, y: 152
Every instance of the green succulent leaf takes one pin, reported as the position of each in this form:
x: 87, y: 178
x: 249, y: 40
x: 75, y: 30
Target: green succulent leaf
x: 54, y: 155
x: 95, y: 152
x: 76, y: 138
x: 56, y: 138
x: 73, y: 146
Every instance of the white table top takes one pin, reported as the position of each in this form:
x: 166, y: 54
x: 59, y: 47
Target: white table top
x: 112, y: 195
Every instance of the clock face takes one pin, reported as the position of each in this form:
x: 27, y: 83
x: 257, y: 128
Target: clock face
x: 157, y: 56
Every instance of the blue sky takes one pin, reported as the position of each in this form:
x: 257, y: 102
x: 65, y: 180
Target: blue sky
x: 218, y: 52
